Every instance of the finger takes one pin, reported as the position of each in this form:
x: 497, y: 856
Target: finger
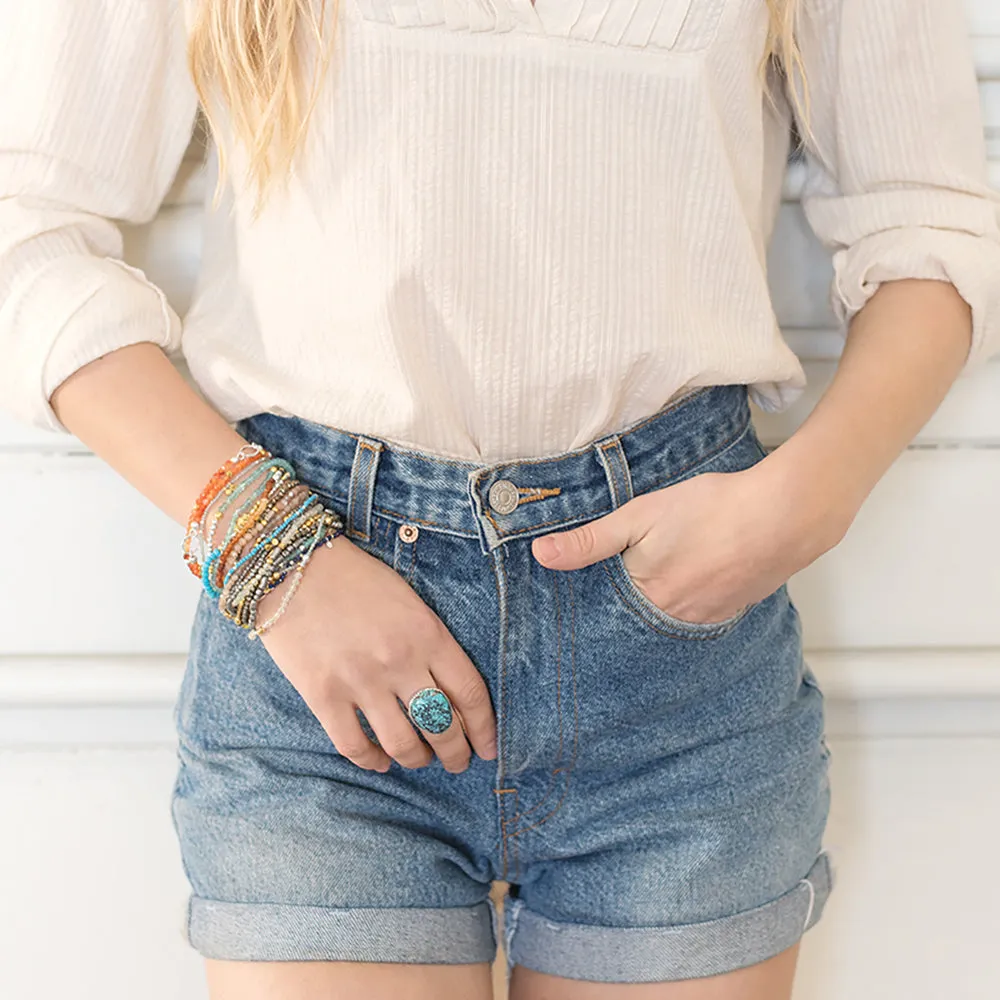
x: 396, y: 733
x: 342, y: 726
x: 458, y: 677
x: 588, y: 543
x: 451, y: 746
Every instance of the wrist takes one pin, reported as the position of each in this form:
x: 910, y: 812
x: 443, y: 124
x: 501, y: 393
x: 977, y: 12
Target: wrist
x: 819, y: 498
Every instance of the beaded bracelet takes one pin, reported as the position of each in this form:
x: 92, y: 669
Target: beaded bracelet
x: 274, y: 531
x: 220, y: 477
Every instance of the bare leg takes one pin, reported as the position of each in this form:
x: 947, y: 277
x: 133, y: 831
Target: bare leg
x: 346, y: 981
x: 768, y: 980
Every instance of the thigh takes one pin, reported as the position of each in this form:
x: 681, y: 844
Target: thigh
x: 333, y: 980
x: 768, y: 980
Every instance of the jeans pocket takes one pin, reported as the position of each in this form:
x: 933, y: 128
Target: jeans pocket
x: 635, y: 600
x: 743, y: 452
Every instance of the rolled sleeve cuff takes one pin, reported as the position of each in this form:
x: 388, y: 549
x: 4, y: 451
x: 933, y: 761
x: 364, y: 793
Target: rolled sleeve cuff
x: 969, y: 261
x: 77, y: 309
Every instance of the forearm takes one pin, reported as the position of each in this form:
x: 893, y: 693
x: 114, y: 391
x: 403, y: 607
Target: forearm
x: 135, y: 411
x: 903, y: 352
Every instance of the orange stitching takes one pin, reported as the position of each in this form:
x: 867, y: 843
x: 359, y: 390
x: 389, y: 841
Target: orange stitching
x: 496, y: 527
x: 533, y: 492
x: 541, y: 495
x: 543, y: 524
x: 680, y: 472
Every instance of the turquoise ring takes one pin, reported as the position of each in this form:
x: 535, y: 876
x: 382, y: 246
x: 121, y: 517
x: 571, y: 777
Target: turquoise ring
x: 430, y: 710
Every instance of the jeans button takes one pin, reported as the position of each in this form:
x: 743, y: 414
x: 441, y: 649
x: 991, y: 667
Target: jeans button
x: 503, y: 496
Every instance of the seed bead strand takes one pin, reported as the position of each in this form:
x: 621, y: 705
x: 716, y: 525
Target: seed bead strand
x: 249, y: 582
x: 261, y: 467
x: 251, y: 576
x: 330, y: 533
x: 208, y: 568
x: 247, y: 455
x: 246, y: 528
x: 266, y: 578
x: 262, y: 576
x: 277, y: 522
x: 198, y: 543
x: 324, y: 534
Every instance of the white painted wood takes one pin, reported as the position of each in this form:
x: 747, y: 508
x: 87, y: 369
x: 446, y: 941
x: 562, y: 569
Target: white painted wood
x: 983, y: 18
x: 912, y: 832
x: 109, y: 580
x: 93, y: 891
x: 919, y: 564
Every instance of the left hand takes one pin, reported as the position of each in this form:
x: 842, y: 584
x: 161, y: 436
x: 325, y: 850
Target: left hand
x: 706, y: 547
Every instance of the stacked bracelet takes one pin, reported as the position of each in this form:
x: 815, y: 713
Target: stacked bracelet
x: 276, y: 524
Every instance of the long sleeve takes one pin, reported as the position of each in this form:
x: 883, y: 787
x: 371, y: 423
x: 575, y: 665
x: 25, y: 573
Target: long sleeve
x: 897, y: 171
x: 97, y: 110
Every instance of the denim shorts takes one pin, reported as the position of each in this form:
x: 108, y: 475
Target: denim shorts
x: 661, y: 789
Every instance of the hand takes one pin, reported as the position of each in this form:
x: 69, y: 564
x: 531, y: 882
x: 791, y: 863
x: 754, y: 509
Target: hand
x: 705, y: 548
x: 356, y: 634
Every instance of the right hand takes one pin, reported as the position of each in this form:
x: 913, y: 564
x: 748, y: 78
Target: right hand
x: 356, y: 634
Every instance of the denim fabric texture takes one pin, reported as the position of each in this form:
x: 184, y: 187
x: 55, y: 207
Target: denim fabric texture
x: 661, y: 791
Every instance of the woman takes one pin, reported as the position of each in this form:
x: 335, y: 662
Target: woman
x: 494, y: 563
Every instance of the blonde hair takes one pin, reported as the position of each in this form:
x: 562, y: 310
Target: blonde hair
x: 248, y: 54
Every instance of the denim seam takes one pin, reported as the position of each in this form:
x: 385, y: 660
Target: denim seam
x: 361, y: 489
x: 499, y: 576
x: 664, y: 628
x: 402, y: 518
x: 559, y: 713
x: 574, y: 518
x: 560, y: 765
x: 701, y: 460
x: 567, y: 768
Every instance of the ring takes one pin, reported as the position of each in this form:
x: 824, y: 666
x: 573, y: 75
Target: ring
x: 430, y: 710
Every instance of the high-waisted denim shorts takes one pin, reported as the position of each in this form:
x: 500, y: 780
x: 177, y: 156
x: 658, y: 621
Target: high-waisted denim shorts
x: 661, y: 789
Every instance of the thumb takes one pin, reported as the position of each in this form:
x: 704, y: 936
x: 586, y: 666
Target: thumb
x: 589, y: 543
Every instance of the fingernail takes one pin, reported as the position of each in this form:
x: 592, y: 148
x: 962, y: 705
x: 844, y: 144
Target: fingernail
x: 547, y: 547
x: 491, y: 751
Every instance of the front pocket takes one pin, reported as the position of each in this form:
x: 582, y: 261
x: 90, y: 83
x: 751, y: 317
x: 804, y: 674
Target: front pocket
x: 742, y: 452
x: 671, y: 25
x: 651, y: 614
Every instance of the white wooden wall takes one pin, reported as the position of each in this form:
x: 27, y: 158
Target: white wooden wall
x: 902, y: 622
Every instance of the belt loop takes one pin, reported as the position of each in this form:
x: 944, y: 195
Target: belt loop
x: 360, y: 493
x: 612, y: 457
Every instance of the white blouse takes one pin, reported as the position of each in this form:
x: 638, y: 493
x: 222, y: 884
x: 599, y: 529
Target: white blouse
x: 514, y: 227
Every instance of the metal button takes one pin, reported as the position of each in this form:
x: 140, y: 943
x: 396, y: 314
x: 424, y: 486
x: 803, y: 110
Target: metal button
x: 408, y: 532
x: 503, y: 496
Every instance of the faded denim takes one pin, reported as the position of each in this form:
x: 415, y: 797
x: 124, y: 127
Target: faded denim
x: 661, y: 792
